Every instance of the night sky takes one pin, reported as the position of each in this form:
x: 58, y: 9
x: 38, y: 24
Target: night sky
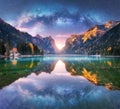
x: 58, y: 18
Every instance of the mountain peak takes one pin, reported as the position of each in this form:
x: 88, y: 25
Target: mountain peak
x: 38, y: 36
x: 50, y: 37
x: 111, y: 24
x: 1, y: 20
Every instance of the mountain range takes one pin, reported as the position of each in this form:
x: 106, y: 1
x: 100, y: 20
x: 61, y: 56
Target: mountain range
x: 100, y: 39
x: 10, y: 38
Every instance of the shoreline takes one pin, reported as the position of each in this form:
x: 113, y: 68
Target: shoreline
x: 60, y: 55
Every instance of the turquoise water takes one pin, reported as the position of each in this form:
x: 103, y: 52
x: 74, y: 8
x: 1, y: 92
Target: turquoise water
x: 60, y: 82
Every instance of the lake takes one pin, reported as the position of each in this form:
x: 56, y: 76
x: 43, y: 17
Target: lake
x: 60, y: 82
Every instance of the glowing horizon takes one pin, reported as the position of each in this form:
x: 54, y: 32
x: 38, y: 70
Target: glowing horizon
x: 60, y: 41
x: 60, y: 46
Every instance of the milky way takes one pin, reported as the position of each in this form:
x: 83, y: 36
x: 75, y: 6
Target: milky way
x: 58, y: 18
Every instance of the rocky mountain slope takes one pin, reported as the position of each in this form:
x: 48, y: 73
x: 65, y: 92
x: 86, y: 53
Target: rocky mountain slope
x: 10, y: 38
x: 101, y: 39
x: 46, y: 43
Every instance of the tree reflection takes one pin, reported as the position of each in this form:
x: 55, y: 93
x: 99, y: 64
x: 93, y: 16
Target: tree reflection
x: 11, y: 70
x: 100, y: 72
x: 88, y: 75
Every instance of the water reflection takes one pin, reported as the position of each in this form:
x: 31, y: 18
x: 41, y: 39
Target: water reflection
x: 109, y: 63
x: 88, y: 75
x: 14, y: 62
x: 98, y: 70
x: 57, y: 90
x: 60, y: 69
x: 104, y: 72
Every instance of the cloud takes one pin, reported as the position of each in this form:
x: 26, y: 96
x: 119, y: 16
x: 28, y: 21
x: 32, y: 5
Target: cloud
x: 54, y: 23
x: 54, y: 17
x: 36, y: 28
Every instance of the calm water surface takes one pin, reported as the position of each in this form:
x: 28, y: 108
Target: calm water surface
x: 60, y: 82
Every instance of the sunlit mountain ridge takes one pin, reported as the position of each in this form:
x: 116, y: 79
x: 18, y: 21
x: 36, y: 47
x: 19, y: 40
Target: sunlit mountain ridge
x: 100, y: 39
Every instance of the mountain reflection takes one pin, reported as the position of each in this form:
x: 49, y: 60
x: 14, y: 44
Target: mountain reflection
x: 88, y: 75
x: 105, y: 72
x: 100, y: 71
x: 11, y: 70
x: 58, y: 84
x: 60, y: 69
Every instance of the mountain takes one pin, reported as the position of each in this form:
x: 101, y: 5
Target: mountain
x: 46, y: 43
x: 10, y: 38
x: 100, y: 39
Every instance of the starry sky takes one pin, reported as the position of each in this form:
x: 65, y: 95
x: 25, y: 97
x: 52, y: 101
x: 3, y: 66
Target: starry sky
x: 58, y: 18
